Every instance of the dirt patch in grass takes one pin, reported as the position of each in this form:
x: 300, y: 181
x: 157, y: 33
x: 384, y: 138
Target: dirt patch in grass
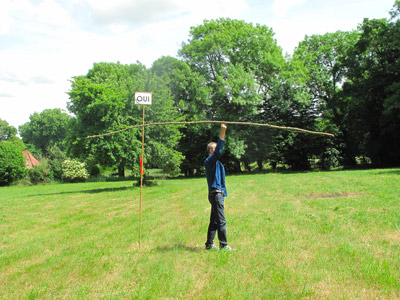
x: 330, y: 288
x: 394, y: 236
x: 334, y: 195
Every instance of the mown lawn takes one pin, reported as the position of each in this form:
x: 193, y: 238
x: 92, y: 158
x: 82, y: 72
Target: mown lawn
x: 312, y: 235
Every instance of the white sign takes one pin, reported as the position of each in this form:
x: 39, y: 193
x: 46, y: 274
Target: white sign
x: 143, y: 98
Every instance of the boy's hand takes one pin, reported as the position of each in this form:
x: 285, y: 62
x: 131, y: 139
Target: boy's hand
x: 223, y: 129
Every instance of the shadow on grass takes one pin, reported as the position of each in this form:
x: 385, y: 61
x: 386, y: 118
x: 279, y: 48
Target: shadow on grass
x: 178, y: 247
x: 93, y: 191
x: 389, y: 172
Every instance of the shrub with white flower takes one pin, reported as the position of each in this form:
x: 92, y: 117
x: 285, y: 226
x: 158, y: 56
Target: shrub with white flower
x: 74, y: 171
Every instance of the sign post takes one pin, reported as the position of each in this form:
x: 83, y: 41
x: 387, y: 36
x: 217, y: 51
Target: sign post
x: 144, y: 98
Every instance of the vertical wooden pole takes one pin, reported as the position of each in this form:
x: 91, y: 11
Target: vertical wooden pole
x: 141, y: 185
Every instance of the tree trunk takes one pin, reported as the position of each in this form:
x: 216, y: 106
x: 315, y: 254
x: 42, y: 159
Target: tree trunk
x: 238, y: 168
x: 121, y: 171
x: 260, y: 165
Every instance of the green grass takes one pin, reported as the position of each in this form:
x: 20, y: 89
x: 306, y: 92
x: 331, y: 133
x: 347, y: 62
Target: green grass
x: 313, y: 235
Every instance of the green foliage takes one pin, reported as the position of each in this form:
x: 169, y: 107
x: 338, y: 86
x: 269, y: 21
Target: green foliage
x: 103, y: 101
x: 36, y: 174
x: 323, y: 57
x: 233, y: 70
x: 292, y: 149
x: 191, y: 95
x: 330, y: 158
x: 395, y: 12
x: 92, y: 166
x: 239, y: 63
x: 237, y: 60
x: 40, y: 173
x: 74, y: 171
x: 55, y: 159
x: 46, y: 129
x: 12, y: 163
x: 6, y: 131
x: 345, y: 83
x: 17, y: 142
x: 371, y: 93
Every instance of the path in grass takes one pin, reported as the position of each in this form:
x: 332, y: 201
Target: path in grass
x: 315, y: 235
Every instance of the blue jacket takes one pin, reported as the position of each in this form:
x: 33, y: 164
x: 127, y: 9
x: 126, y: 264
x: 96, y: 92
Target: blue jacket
x: 215, y: 170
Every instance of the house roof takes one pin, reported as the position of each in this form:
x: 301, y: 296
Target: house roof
x: 30, y: 160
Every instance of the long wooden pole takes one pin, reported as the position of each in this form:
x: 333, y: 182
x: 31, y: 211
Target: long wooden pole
x: 219, y: 122
x: 141, y: 186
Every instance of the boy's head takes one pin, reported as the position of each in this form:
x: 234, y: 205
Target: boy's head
x: 211, y: 148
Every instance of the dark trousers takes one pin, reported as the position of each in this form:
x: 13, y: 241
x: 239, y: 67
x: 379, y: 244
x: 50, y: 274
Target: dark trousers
x: 217, y: 220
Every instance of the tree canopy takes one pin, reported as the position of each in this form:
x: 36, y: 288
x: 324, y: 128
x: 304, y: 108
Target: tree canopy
x: 346, y: 83
x: 103, y: 101
x: 46, y: 129
x: 6, y: 130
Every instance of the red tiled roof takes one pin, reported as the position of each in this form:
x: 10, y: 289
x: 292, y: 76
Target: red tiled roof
x: 30, y: 161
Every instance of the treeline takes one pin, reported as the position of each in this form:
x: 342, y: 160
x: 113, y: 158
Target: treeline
x: 345, y: 83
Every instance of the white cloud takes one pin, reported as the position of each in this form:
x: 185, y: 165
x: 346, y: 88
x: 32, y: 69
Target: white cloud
x: 10, y: 77
x: 134, y: 12
x: 6, y: 22
x: 41, y: 80
x: 51, y: 13
x: 6, y: 95
x: 144, y: 12
x: 281, y: 7
x: 35, y: 16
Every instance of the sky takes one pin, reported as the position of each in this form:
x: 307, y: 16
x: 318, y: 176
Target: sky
x: 45, y: 43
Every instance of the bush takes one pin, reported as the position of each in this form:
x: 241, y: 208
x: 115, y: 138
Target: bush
x: 94, y: 170
x: 92, y: 166
x: 40, y: 173
x: 74, y: 171
x: 12, y: 163
x: 329, y: 158
x: 36, y: 175
x: 56, y: 158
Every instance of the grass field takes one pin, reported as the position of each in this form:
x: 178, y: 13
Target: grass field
x: 312, y: 235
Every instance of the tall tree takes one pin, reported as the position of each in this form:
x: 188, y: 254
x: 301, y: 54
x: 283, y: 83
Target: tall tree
x: 103, y: 101
x: 323, y: 57
x: 373, y: 86
x: 287, y: 102
x: 192, y: 98
x: 46, y: 129
x: 238, y: 62
x: 6, y: 130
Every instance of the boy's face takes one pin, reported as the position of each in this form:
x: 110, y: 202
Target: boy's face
x: 212, y: 148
